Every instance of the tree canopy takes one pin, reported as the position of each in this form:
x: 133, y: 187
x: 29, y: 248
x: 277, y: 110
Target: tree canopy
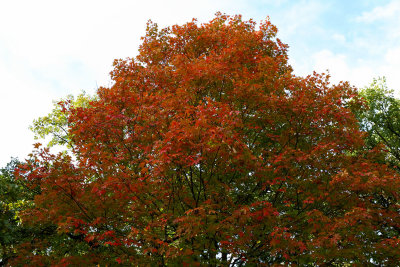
x: 381, y: 120
x: 15, y: 196
x: 11, y: 200
x: 55, y: 126
x: 208, y: 150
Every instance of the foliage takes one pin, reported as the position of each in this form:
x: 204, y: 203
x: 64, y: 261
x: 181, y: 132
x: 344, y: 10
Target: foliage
x: 17, y: 238
x: 207, y: 150
x: 14, y: 197
x: 9, y: 204
x: 382, y: 119
x: 55, y: 124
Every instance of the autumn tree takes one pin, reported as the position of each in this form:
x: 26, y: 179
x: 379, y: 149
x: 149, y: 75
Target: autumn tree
x: 208, y: 150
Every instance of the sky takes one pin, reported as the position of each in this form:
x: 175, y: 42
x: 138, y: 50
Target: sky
x: 50, y: 49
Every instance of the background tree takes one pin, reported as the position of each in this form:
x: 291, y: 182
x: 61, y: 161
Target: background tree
x: 12, y: 196
x: 54, y: 126
x: 382, y: 119
x: 208, y: 150
x: 15, y: 195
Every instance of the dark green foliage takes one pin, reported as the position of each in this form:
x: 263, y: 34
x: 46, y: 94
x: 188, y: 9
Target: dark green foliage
x: 14, y: 196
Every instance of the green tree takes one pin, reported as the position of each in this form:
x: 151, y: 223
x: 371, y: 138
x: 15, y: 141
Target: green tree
x: 381, y: 119
x: 14, y: 197
x: 54, y: 127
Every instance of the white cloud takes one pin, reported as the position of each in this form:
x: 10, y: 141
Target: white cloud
x: 21, y: 100
x: 393, y: 56
x: 386, y: 19
x: 391, y: 68
x: 390, y: 10
x: 325, y: 61
x: 339, y: 38
x: 359, y: 72
x: 339, y: 68
x: 300, y: 16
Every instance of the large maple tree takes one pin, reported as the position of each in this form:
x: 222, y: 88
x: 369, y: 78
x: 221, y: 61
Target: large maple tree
x: 207, y: 149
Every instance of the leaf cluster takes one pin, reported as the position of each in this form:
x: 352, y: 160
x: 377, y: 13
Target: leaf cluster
x: 381, y: 120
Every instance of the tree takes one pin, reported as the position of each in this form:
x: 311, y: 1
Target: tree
x: 15, y: 195
x: 382, y: 119
x: 11, y: 198
x: 55, y: 124
x: 208, y: 150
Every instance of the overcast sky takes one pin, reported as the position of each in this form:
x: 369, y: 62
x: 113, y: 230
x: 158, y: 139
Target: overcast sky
x: 49, y: 49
